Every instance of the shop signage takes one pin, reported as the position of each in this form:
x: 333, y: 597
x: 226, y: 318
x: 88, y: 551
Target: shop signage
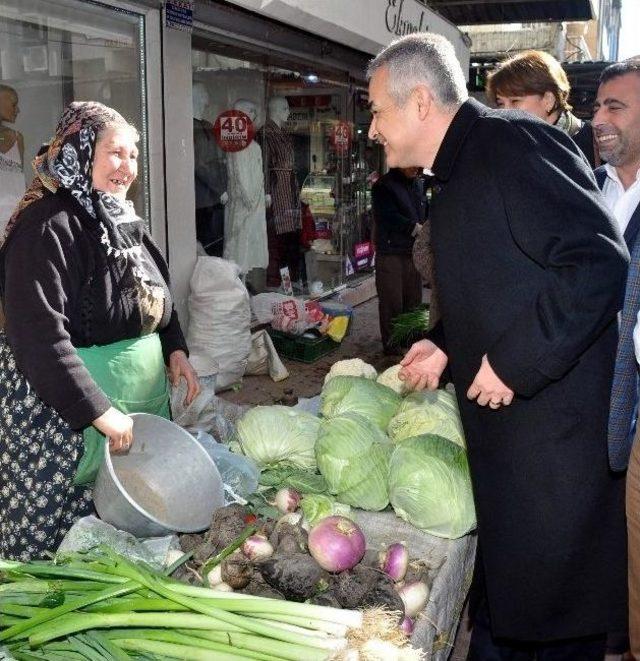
x: 233, y: 130
x: 366, y: 25
x: 178, y: 14
x: 315, y: 101
x: 340, y: 138
x: 363, y: 254
x: 399, y: 21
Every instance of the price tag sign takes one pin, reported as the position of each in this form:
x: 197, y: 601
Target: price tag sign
x: 233, y: 130
x: 341, y: 138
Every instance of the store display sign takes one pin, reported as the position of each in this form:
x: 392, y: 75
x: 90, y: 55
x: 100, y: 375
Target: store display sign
x: 285, y: 278
x: 363, y: 254
x: 233, y: 130
x: 178, y: 14
x: 348, y: 267
x: 341, y: 138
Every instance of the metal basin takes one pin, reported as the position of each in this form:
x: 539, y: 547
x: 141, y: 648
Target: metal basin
x: 166, y: 483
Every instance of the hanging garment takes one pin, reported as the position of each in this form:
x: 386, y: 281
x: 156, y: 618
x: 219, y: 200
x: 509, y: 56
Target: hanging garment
x: 281, y: 181
x: 245, y: 231
x: 12, y: 183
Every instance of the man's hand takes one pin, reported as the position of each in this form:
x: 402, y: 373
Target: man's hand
x: 423, y: 365
x: 179, y: 365
x: 487, y: 388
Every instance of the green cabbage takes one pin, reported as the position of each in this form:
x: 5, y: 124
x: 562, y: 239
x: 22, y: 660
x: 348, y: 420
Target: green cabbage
x: 390, y: 378
x: 430, y: 487
x: 427, y: 413
x: 352, y: 394
x: 273, y: 434
x: 353, y: 457
x: 316, y: 507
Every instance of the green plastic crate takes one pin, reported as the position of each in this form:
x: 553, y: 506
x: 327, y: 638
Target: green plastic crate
x: 302, y: 349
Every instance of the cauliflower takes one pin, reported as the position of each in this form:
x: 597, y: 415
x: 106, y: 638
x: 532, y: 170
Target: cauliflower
x: 390, y: 379
x: 352, y: 367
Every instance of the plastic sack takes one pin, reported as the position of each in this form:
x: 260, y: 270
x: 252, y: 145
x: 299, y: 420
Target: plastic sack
x: 239, y: 474
x: 219, y: 338
x: 206, y: 412
x: 89, y: 531
x: 284, y: 313
x: 264, y: 358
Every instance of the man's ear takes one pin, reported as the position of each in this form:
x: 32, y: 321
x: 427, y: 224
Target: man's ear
x: 424, y: 99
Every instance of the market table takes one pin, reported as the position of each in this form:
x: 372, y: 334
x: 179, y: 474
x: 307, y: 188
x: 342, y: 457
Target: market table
x: 450, y: 563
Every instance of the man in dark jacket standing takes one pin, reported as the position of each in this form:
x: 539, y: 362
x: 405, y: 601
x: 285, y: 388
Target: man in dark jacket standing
x: 530, y: 272
x: 616, y: 123
x: 399, y: 210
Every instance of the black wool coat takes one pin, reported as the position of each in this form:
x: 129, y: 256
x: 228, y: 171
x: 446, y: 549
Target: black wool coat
x: 530, y: 270
x: 398, y: 204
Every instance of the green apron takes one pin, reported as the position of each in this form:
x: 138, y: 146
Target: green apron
x: 132, y: 375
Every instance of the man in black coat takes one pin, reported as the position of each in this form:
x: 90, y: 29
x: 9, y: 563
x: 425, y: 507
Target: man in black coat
x: 530, y: 272
x: 399, y: 210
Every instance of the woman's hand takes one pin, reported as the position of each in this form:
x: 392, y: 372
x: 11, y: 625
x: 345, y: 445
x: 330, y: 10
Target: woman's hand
x: 117, y: 427
x: 179, y: 365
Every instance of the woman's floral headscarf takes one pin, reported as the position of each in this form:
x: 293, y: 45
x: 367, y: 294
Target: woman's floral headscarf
x: 67, y: 163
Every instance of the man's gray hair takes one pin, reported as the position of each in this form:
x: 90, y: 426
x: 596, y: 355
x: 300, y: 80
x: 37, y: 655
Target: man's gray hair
x: 422, y: 59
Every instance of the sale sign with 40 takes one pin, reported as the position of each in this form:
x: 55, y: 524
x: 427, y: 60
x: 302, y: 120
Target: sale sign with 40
x: 233, y: 130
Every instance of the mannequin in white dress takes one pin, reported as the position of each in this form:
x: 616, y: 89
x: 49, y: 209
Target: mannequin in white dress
x: 12, y: 182
x: 245, y: 235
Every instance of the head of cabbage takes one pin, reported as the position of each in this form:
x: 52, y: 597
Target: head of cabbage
x: 274, y: 434
x: 427, y: 413
x: 430, y: 486
x: 352, y: 394
x: 353, y: 457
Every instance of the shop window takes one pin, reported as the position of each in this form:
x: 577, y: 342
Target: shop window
x: 55, y: 53
x: 283, y: 169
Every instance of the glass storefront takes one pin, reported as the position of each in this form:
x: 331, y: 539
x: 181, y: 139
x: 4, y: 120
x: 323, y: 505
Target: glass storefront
x: 283, y: 170
x: 55, y: 53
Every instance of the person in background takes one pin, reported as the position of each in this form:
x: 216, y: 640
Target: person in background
x: 399, y: 211
x: 616, y: 125
x: 12, y: 183
x: 90, y: 325
x: 535, y: 82
x: 530, y: 271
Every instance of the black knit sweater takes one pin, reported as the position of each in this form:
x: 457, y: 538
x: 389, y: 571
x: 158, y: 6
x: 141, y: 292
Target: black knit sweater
x: 59, y: 291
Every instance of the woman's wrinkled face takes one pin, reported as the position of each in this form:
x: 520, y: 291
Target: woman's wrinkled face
x: 115, y: 163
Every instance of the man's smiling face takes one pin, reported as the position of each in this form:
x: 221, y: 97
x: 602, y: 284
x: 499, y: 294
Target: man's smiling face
x: 393, y: 126
x: 616, y: 119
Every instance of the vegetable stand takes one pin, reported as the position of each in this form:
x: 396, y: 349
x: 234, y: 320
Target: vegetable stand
x: 452, y: 563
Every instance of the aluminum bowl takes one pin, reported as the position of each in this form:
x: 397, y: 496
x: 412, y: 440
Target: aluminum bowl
x: 166, y: 483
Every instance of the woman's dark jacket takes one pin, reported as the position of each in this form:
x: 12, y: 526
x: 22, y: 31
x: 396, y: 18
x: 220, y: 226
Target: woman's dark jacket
x: 60, y: 291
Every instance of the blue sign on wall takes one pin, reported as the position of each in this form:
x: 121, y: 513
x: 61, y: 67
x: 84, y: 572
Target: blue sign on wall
x: 178, y: 14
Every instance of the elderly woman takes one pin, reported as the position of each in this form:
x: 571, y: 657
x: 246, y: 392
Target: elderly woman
x: 535, y: 82
x: 90, y: 326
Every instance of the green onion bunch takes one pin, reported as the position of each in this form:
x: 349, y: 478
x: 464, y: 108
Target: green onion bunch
x: 99, y: 606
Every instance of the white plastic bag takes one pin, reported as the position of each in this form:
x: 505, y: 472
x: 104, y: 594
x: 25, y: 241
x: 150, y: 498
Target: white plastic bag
x: 219, y: 337
x: 284, y: 313
x: 264, y: 358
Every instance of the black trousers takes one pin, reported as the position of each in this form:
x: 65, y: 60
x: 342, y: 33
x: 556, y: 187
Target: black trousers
x: 485, y: 648
x: 210, y: 229
x: 399, y: 288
